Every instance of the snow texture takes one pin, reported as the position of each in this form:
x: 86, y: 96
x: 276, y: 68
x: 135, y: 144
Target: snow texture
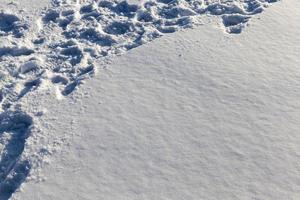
x: 71, y: 36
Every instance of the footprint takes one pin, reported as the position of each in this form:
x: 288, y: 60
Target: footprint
x: 87, y: 8
x: 91, y: 15
x: 58, y: 79
x: 118, y: 28
x: 87, y: 70
x: 125, y: 9
x: 70, y: 88
x: 235, y: 23
x: 38, y: 41
x: 51, y: 16
x: 11, y: 24
x: 94, y: 36
x: 73, y: 54
x: 7, y: 22
x: 14, y: 130
x: 165, y: 1
x: 29, y: 66
x: 145, y: 16
x: 254, y: 7
x: 28, y: 87
x: 15, y: 51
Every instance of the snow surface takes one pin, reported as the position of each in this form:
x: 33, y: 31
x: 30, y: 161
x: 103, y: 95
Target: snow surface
x: 214, y: 114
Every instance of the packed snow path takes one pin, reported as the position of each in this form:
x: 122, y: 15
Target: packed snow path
x: 71, y: 37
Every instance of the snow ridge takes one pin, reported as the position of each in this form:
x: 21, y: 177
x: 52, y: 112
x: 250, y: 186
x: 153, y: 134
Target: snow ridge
x: 72, y: 36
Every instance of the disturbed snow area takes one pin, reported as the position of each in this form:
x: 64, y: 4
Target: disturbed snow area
x: 46, y: 53
x: 70, y: 36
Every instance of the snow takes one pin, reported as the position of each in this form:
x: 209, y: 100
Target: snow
x: 209, y: 112
x: 70, y: 36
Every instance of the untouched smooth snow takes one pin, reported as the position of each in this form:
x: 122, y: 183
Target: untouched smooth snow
x: 198, y: 114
